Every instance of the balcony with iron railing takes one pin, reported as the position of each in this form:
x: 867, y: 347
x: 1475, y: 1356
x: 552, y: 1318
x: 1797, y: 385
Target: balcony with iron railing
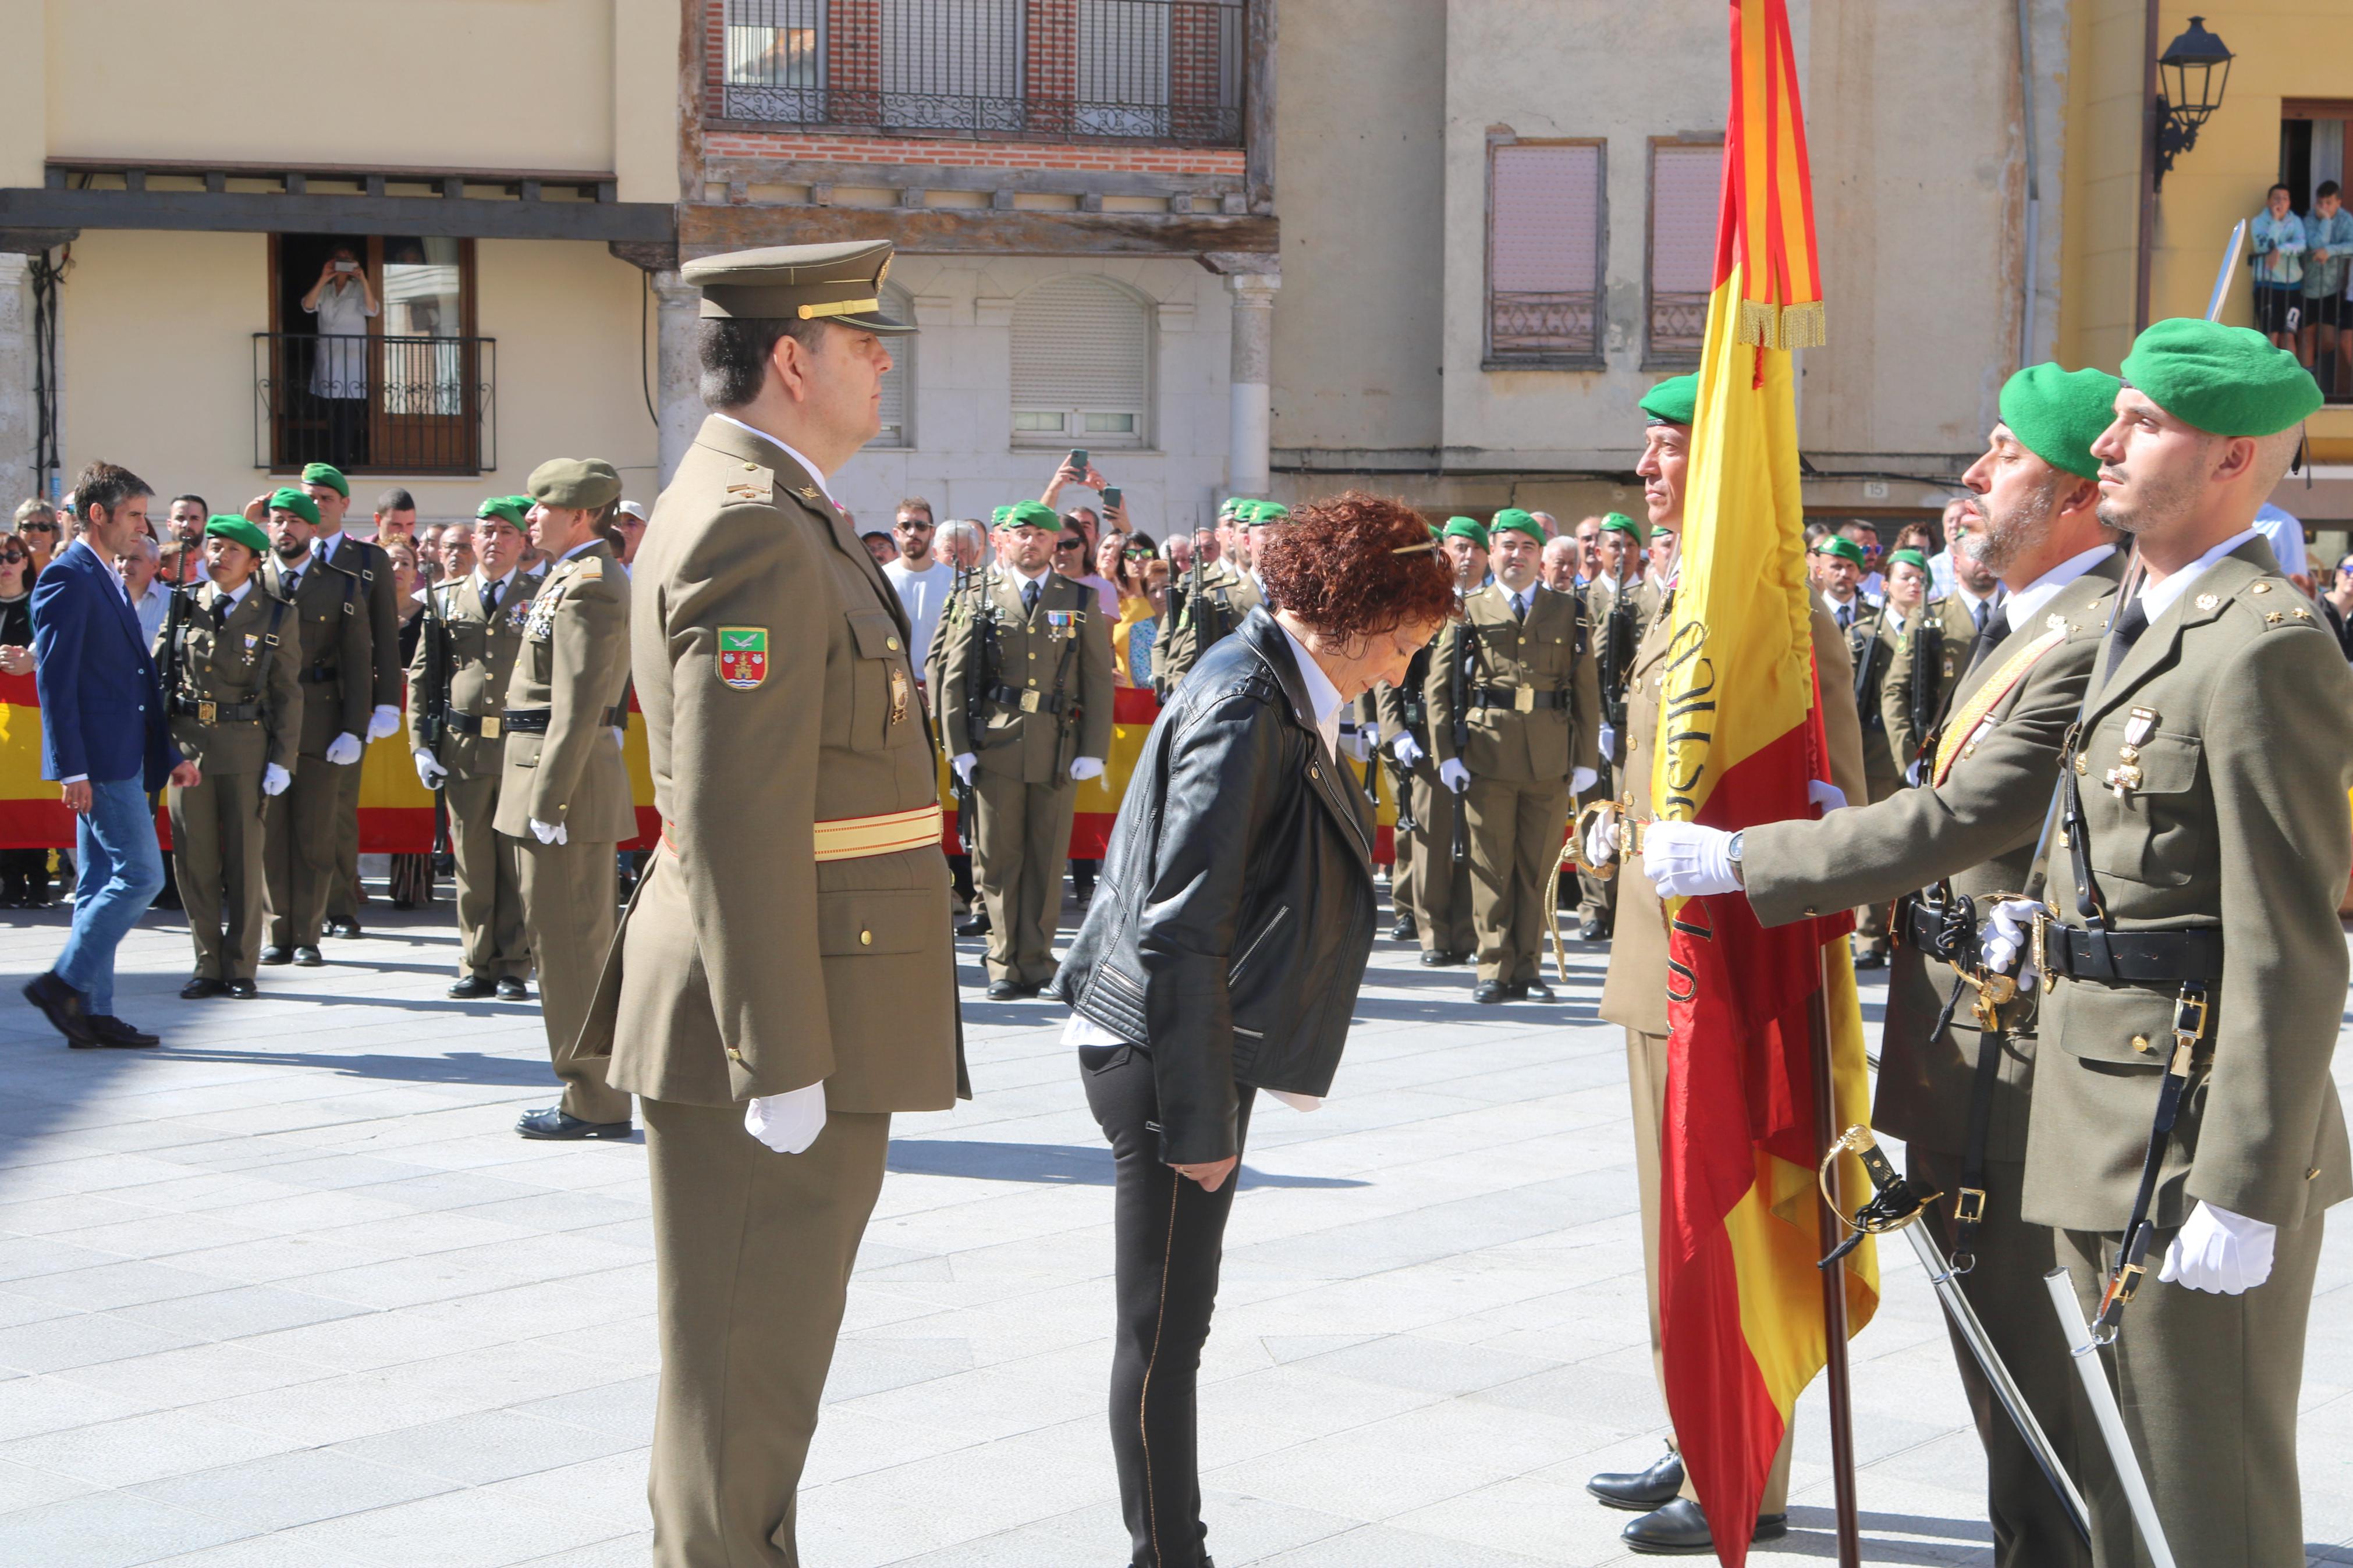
x: 374, y: 404
x: 1168, y: 71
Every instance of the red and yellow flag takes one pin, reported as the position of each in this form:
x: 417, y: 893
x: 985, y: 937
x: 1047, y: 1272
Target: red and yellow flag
x: 1740, y: 739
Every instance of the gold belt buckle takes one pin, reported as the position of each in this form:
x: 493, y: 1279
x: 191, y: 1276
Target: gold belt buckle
x: 1968, y: 1205
x: 2042, y: 951
x: 207, y: 713
x: 490, y: 727
x: 1029, y: 702
x: 1523, y: 701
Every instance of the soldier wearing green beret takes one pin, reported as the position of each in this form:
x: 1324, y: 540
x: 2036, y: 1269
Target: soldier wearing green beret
x: 1216, y: 595
x: 334, y: 653
x: 1025, y: 717
x: 1618, y: 605
x: 564, y: 791
x: 456, y: 704
x: 1871, y: 635
x: 2203, y: 833
x: 228, y: 654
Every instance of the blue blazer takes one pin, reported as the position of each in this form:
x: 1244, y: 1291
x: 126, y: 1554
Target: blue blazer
x: 101, y: 701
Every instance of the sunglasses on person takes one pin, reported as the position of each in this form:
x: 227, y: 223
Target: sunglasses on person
x: 916, y: 522
x: 13, y: 557
x: 1071, y: 544
x: 37, y: 528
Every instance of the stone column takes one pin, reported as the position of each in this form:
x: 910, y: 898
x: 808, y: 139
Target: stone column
x: 18, y: 435
x: 1250, y: 431
x: 678, y: 371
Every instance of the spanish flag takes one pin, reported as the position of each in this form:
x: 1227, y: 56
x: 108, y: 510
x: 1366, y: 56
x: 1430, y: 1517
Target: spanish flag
x: 1740, y: 739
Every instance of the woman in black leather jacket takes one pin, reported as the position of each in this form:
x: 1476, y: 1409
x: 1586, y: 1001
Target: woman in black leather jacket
x: 1225, y: 945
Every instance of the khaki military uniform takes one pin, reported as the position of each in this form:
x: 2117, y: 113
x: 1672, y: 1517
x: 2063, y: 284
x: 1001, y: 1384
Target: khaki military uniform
x: 1956, y: 636
x: 1977, y: 826
x: 493, y: 942
x: 792, y: 929
x: 374, y: 568
x: 1436, y: 887
x: 1597, y: 901
x: 561, y: 765
x: 1531, y: 707
x: 1872, y: 642
x: 1634, y: 993
x: 1226, y: 597
x: 2213, y: 766
x: 299, y: 826
x: 1026, y: 692
x: 237, y: 707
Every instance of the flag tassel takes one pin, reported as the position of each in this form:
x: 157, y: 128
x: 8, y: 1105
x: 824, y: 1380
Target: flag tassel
x: 1838, y: 1384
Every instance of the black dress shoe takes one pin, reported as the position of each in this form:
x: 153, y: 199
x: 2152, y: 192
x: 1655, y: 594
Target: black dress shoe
x: 113, y: 1032
x: 1680, y: 1529
x: 67, y: 1009
x: 243, y: 990
x: 343, y: 928
x: 1007, y: 990
x: 554, y: 1122
x: 201, y: 986
x: 977, y: 926
x: 1489, y: 991
x: 1405, y: 929
x: 308, y: 958
x: 1434, y: 959
x: 473, y: 988
x: 513, y: 990
x: 1641, y: 1490
x: 1531, y: 991
x: 1593, y: 930
x: 1871, y: 961
x: 274, y: 954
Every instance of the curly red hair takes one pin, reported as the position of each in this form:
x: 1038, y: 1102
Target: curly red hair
x: 1355, y: 565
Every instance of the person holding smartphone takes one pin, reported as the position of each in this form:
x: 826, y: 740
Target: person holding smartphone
x: 342, y: 300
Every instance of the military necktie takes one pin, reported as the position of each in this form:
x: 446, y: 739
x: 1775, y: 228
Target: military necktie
x: 1988, y: 633
x: 1029, y: 591
x: 2129, y: 625
x: 1846, y: 618
x: 490, y: 600
x: 1520, y: 607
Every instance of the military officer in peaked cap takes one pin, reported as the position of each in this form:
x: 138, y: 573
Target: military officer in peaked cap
x: 784, y: 979
x: 563, y: 790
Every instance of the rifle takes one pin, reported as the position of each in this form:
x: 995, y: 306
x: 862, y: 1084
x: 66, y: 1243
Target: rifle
x: 1409, y: 708
x: 437, y: 677
x: 174, y: 622
x: 965, y: 797
x: 1619, y: 638
x: 1923, y: 701
x: 1458, y: 690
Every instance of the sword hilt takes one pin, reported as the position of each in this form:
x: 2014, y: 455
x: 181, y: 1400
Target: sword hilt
x: 1894, y: 1201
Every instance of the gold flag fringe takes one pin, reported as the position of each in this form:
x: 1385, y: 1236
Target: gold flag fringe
x: 1785, y: 327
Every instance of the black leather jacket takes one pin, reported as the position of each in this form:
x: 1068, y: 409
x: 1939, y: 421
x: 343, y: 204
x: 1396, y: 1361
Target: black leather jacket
x: 1234, y: 915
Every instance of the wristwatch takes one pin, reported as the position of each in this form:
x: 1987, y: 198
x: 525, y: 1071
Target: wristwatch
x: 1732, y: 853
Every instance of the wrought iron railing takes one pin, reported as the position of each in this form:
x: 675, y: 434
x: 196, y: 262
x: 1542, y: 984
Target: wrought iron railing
x: 1543, y: 326
x: 1678, y: 326
x: 1163, y: 70
x: 375, y: 404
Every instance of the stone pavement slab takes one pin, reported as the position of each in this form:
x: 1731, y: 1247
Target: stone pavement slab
x: 290, y: 1291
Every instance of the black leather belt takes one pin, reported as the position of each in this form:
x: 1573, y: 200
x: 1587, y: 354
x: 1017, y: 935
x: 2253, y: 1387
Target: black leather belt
x: 205, y: 711
x: 489, y: 726
x: 1027, y: 698
x: 2143, y: 957
x: 534, y: 720
x: 1519, y: 699
x: 1925, y: 926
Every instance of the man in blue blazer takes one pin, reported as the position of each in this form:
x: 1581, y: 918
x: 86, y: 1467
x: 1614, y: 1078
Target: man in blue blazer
x: 106, y: 739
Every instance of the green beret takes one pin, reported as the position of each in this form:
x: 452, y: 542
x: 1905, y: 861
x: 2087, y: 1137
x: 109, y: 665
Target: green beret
x: 996, y: 517
x: 1907, y: 558
x: 295, y: 501
x: 327, y: 474
x: 1619, y: 523
x: 505, y: 506
x: 1839, y: 545
x: 1034, y: 514
x: 2226, y: 380
x: 2058, y: 413
x: 237, y: 531
x: 1263, y: 512
x: 1674, y: 401
x: 1464, y: 528
x: 1233, y: 506
x: 1658, y: 533
x: 576, y: 483
x: 1518, y: 521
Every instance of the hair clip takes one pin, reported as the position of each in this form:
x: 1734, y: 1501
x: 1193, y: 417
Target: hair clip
x: 1427, y: 544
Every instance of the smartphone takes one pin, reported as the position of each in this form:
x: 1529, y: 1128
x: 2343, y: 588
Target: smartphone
x: 347, y: 267
x: 1110, y: 495
x: 1079, y: 459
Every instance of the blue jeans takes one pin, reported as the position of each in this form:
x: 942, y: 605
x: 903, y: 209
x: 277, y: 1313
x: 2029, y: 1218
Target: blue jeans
x: 122, y: 870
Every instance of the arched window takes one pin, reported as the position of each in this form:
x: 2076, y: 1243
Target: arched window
x: 899, y: 383
x: 1082, y: 366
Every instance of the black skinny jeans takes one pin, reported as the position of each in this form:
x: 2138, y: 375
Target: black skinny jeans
x: 1171, y: 1237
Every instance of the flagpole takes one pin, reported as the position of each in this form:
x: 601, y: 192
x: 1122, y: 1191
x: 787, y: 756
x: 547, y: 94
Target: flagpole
x: 1841, y: 1399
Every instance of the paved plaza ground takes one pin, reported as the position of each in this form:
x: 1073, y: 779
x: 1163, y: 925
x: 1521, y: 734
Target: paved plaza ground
x: 290, y: 1291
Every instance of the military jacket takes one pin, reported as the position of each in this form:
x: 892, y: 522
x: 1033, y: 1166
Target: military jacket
x: 372, y: 567
x: 965, y: 599
x: 1405, y: 710
x: 335, y: 651
x: 1531, y: 697
x: 2213, y: 765
x: 1977, y: 826
x: 481, y: 663
x: 1871, y: 647
x: 572, y: 665
x: 1027, y: 693
x: 1955, y: 634
x: 235, y: 659
x: 1226, y: 599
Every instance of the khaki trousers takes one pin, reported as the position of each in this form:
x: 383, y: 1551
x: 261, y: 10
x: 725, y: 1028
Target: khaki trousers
x: 1021, y: 840
x: 1871, y: 919
x: 1646, y: 1077
x: 753, y: 1251
x: 2208, y: 1384
x: 571, y: 899
x: 1516, y: 836
x: 217, y: 854
x: 492, y: 939
x: 298, y: 850
x: 1441, y: 890
x: 343, y: 891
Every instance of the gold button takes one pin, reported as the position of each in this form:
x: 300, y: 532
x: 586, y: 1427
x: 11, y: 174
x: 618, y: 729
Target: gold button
x: 2140, y: 1043
x: 2310, y: 1174
x: 1033, y: 653
x: 751, y: 467
x: 866, y: 938
x: 1810, y: 909
x: 891, y: 643
x: 2261, y: 588
x: 733, y: 1055
x: 2081, y: 767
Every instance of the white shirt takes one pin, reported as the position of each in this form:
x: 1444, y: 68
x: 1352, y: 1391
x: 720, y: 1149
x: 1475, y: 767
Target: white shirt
x: 2158, y: 597
x: 591, y: 540
x: 483, y: 584
x: 923, y: 595
x: 2286, y: 531
x: 2026, y: 602
x: 814, y: 472
x: 1971, y: 601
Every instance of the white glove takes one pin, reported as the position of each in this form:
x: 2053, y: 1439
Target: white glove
x: 1823, y: 793
x: 1082, y: 769
x: 383, y: 721
x: 429, y: 770
x: 1581, y: 780
x: 787, y: 1122
x: 547, y: 832
x: 963, y: 762
x: 2004, y: 936
x: 1601, y: 839
x: 274, y: 779
x: 2219, y: 1251
x: 620, y: 737
x: 1684, y: 860
x: 1406, y: 751
x: 1917, y: 773
x: 1453, y: 775
x: 1608, y: 739
x: 344, y: 750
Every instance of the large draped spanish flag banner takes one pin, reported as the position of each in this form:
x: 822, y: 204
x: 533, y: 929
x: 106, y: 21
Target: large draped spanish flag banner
x: 1740, y: 739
